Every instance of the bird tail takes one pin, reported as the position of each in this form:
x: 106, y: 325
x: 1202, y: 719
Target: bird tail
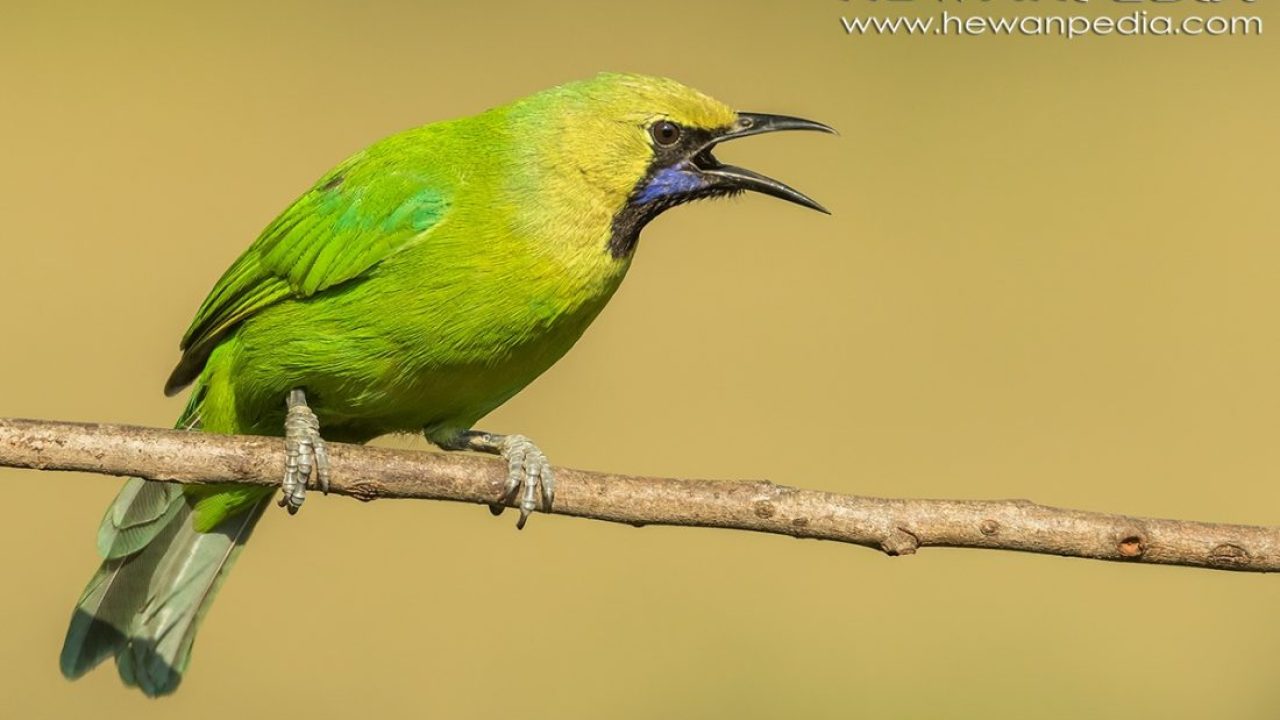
x: 158, y: 577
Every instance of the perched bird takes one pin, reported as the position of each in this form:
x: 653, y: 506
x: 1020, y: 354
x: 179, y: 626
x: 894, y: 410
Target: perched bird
x: 415, y: 287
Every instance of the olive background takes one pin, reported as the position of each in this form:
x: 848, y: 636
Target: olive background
x: 1051, y: 273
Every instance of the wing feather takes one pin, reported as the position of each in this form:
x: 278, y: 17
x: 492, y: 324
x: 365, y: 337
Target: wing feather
x: 353, y: 219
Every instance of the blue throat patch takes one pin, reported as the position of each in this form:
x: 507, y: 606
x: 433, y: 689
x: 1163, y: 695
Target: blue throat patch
x: 669, y: 182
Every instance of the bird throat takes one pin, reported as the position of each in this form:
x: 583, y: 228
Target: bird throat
x: 627, y: 224
x: 637, y: 213
x: 648, y: 200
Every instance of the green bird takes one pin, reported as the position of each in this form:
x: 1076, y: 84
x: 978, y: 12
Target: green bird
x: 415, y: 287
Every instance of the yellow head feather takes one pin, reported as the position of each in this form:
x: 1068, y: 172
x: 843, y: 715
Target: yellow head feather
x: 584, y: 146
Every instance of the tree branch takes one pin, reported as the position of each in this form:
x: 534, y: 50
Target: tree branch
x: 894, y: 526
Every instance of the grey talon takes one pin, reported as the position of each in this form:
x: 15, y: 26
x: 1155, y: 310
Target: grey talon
x: 529, y: 479
x: 548, y: 486
x: 304, y: 453
x: 527, y: 471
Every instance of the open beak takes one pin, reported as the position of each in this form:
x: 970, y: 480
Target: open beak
x: 736, y: 178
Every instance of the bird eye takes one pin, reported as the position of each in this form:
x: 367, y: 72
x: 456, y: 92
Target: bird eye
x: 665, y: 132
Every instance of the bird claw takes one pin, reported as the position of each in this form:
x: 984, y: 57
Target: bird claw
x: 529, y: 476
x: 305, y: 453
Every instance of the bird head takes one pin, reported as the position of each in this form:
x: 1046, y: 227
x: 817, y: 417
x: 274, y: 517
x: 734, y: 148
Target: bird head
x: 636, y: 146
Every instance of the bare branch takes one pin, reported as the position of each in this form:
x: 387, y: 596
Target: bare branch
x: 894, y: 526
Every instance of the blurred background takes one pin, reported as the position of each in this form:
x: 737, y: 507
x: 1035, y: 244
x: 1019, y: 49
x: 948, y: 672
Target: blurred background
x: 1052, y: 272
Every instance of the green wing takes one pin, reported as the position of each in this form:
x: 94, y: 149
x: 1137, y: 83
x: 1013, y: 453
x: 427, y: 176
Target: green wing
x: 358, y: 215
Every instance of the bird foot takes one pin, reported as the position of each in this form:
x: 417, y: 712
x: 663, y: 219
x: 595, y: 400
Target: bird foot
x: 528, y: 471
x: 304, y: 453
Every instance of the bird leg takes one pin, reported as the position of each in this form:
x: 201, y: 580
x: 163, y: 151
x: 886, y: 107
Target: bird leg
x: 527, y: 468
x: 304, y: 452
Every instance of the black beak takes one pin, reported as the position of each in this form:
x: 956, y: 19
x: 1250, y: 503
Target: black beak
x: 737, y: 178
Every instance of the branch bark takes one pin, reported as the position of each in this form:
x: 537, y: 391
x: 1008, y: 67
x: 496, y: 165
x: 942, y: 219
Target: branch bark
x: 893, y: 526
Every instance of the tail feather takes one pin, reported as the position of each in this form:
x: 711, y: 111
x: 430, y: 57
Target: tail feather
x: 96, y: 631
x: 141, y: 510
x: 137, y: 515
x: 183, y: 586
x: 145, y: 608
x: 158, y: 577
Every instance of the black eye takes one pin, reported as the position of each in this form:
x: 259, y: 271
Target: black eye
x: 665, y: 132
